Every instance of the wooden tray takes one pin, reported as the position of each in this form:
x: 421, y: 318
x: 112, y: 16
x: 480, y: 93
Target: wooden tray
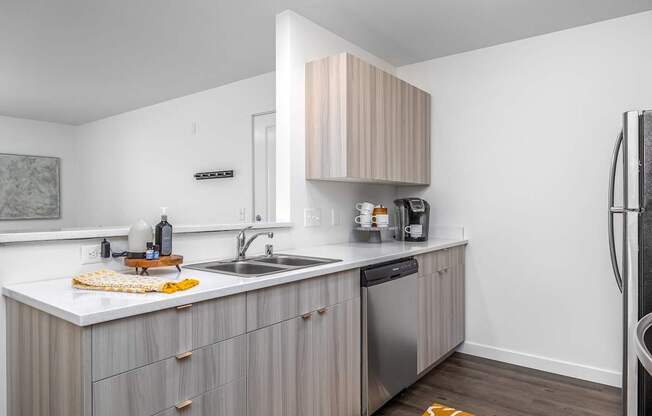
x: 164, y: 261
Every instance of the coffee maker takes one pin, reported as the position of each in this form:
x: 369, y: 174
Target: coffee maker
x: 412, y: 218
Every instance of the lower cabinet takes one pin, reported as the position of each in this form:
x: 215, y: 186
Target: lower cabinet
x: 307, y: 365
x: 336, y: 343
x: 440, y: 305
x: 279, y: 371
x: 297, y: 352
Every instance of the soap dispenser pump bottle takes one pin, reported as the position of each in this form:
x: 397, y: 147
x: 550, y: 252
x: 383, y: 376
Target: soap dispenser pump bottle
x: 163, y: 234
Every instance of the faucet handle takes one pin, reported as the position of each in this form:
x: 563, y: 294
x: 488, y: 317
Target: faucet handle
x: 242, y: 230
x: 269, y: 250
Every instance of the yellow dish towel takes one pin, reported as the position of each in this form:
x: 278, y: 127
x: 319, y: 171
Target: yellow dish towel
x: 440, y: 410
x: 111, y: 281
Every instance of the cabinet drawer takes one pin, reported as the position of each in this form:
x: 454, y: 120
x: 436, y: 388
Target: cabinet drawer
x: 336, y: 288
x: 279, y: 303
x: 218, y: 319
x: 440, y: 260
x: 228, y: 400
x: 433, y: 262
x: 129, y: 343
x: 122, y: 345
x: 164, y: 384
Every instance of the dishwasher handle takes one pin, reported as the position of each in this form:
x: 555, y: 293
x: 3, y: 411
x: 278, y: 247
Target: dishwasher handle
x: 385, y: 272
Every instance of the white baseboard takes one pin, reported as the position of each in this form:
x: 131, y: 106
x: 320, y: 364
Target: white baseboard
x: 550, y: 365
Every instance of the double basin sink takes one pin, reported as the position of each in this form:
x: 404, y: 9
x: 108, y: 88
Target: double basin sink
x: 261, y: 266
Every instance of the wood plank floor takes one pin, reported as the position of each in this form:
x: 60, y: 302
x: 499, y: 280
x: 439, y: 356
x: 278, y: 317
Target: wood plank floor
x: 490, y: 388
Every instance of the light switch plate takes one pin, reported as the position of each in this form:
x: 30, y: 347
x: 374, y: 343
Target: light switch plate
x: 336, y: 217
x: 312, y: 217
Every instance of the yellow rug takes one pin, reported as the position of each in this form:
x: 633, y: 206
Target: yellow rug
x: 441, y: 410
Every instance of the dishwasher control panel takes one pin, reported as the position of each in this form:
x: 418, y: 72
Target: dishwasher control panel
x: 381, y: 273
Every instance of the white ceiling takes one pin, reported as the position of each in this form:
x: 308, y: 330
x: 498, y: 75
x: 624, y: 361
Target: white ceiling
x: 74, y: 61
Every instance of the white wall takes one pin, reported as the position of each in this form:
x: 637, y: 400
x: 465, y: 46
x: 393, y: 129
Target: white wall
x: 298, y: 40
x: 119, y: 169
x: 522, y: 138
x: 136, y: 162
x: 29, y: 137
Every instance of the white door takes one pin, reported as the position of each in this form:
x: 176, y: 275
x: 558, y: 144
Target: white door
x: 264, y: 167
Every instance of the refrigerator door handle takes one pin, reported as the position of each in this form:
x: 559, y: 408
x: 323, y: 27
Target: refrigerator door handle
x: 642, y: 352
x: 614, y: 210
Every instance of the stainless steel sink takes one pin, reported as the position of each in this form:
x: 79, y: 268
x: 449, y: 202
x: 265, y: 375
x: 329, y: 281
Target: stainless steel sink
x: 261, y: 266
x: 243, y: 268
x: 286, y: 260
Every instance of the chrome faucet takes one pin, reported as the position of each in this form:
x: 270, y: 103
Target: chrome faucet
x: 242, y: 244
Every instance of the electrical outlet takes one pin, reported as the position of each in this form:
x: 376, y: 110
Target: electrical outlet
x: 91, y: 254
x: 312, y: 217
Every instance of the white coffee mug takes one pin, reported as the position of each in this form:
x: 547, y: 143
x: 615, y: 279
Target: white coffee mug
x: 364, y: 220
x: 364, y: 207
x: 415, y: 230
x: 380, y: 220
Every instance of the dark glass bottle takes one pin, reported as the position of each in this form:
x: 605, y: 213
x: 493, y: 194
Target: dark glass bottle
x: 163, y: 234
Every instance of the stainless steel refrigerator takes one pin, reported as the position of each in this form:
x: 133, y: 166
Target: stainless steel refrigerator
x: 634, y: 272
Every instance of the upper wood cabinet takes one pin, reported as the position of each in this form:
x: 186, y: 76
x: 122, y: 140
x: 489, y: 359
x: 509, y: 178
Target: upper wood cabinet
x: 364, y: 124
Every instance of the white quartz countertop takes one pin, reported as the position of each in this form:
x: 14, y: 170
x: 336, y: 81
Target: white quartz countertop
x: 87, y: 307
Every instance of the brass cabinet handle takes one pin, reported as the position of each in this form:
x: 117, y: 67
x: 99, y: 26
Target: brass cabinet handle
x: 184, y: 355
x: 184, y: 306
x: 306, y: 316
x: 183, y: 405
x: 322, y: 311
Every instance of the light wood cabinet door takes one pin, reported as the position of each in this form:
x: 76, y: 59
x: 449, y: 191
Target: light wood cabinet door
x: 361, y: 118
x: 326, y: 127
x: 430, y: 331
x: 280, y: 379
x: 48, y: 364
x: 364, y: 124
x: 457, y: 304
x: 336, y: 345
x: 415, y: 158
x: 440, y: 305
x: 307, y: 365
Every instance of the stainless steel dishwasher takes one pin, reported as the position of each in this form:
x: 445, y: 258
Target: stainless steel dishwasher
x: 389, y: 331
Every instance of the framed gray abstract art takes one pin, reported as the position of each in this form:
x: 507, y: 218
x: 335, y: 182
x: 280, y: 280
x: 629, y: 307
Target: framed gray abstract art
x: 29, y: 187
